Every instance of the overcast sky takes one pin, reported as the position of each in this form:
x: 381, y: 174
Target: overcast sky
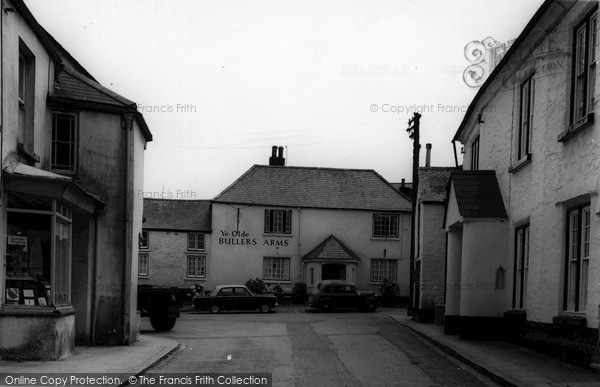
x: 220, y: 82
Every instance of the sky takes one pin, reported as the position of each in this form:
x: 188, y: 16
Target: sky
x: 334, y: 82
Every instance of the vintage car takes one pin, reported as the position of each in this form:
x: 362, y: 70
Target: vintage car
x: 337, y: 294
x: 234, y: 297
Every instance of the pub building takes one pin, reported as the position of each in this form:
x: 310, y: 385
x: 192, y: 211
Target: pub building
x: 284, y: 224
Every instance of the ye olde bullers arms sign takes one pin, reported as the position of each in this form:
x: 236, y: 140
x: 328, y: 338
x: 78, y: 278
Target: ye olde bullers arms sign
x: 242, y: 238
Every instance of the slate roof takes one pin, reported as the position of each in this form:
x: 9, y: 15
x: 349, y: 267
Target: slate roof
x: 432, y: 183
x: 310, y: 187
x: 478, y: 194
x: 73, y: 85
x: 331, y: 249
x: 181, y: 215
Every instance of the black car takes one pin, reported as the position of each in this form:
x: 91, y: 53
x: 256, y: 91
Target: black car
x: 234, y: 297
x: 337, y: 294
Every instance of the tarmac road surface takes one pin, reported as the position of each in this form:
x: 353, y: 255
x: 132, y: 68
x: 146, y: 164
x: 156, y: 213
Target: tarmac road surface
x: 312, y: 349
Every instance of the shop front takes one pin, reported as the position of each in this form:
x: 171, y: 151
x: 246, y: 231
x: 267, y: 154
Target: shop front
x: 37, y: 318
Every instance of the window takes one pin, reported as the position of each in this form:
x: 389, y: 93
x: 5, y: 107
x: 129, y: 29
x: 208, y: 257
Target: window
x: 144, y: 239
x: 26, y: 98
x: 385, y: 225
x: 196, y: 266
x: 278, y: 221
x: 521, y: 266
x: 38, y: 252
x: 584, y: 68
x: 382, y: 269
x: 196, y: 241
x: 143, y: 264
x: 276, y: 268
x: 578, y: 256
x: 312, y: 275
x: 64, y: 142
x: 475, y: 154
x: 526, y: 117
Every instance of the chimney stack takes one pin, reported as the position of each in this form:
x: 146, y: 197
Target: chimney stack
x: 428, y: 156
x: 277, y: 160
x: 402, y: 184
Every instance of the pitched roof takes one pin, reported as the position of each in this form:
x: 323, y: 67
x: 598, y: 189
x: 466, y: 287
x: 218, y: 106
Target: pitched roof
x: 311, y: 187
x: 478, y: 194
x: 331, y: 249
x: 182, y: 215
x: 432, y: 183
x: 79, y: 88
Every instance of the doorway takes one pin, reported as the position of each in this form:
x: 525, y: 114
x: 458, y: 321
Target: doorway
x: 333, y: 271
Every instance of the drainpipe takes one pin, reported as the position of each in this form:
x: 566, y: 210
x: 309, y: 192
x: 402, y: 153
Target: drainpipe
x: 127, y: 125
x: 455, y: 155
x: 94, y: 305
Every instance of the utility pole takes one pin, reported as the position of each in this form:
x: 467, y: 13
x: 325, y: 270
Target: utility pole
x: 414, y: 133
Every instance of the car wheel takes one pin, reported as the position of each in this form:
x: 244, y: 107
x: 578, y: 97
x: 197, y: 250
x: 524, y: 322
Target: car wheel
x: 215, y: 308
x: 327, y: 306
x: 162, y: 323
x: 265, y: 308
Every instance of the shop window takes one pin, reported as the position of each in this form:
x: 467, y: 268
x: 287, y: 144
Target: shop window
x: 38, y: 249
x: 143, y: 264
x: 275, y: 268
x: 385, y: 225
x: 278, y: 221
x: 578, y: 258
x: 196, y: 241
x: 64, y: 143
x: 382, y: 269
x: 196, y: 266
x: 144, y: 239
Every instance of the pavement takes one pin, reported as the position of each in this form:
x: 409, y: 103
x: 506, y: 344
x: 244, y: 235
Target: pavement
x: 505, y: 363
x: 116, y: 361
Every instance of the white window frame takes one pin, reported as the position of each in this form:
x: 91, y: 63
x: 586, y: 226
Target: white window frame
x: 382, y: 268
x: 584, y: 68
x: 276, y: 268
x: 195, y: 266
x: 578, y: 257
x: 475, y: 154
x: 144, y: 236
x: 143, y: 264
x: 278, y: 221
x: 384, y: 227
x: 527, y: 90
x: 522, y: 249
x: 193, y: 241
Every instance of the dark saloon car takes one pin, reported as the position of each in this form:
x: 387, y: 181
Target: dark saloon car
x: 234, y: 297
x: 337, y: 294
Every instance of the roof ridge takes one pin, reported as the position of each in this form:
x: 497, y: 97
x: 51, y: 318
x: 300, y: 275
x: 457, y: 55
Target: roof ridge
x: 178, y: 200
x: 319, y: 168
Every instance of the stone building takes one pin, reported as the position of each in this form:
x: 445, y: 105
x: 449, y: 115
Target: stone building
x: 72, y: 160
x: 522, y: 219
x: 175, y: 243
x: 430, y: 243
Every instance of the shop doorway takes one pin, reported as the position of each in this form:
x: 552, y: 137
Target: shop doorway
x: 333, y: 271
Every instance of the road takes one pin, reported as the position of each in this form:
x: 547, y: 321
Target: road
x: 312, y: 349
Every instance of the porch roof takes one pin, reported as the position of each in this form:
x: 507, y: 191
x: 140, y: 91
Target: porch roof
x: 331, y: 249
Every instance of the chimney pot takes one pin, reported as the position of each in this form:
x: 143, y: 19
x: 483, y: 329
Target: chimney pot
x: 274, y: 151
x: 428, y: 156
x: 402, y: 183
x: 281, y: 152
